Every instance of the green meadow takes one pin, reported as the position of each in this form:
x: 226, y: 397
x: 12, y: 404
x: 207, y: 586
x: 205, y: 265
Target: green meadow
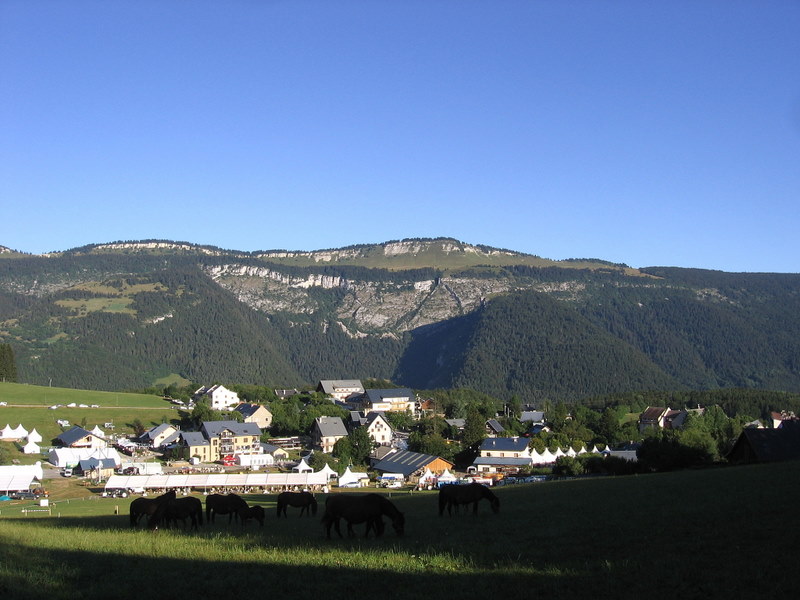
x: 728, y: 532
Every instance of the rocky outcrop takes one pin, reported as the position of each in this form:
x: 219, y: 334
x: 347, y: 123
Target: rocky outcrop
x: 370, y: 307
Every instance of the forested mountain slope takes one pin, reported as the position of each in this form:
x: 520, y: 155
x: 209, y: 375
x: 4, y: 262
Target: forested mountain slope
x: 424, y: 313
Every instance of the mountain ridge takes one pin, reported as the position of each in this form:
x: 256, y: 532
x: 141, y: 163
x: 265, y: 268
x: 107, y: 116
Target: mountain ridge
x: 421, y: 312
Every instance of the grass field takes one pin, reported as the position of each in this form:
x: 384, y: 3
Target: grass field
x: 717, y: 533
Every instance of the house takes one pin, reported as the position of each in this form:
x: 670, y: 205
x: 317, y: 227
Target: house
x: 98, y: 468
x: 503, y: 454
x: 78, y: 437
x: 780, y: 417
x: 229, y: 439
x: 426, y: 407
x: 767, y: 445
x: 159, y: 435
x: 456, y: 424
x: 276, y: 452
x: 657, y: 417
x: 255, y: 413
x: 282, y: 394
x: 196, y: 447
x: 377, y: 426
x: 326, y: 431
x: 340, y: 389
x: 652, y: 418
x: 534, y: 417
x: 217, y: 396
x: 493, y: 428
x: 397, y: 400
x: 410, y: 463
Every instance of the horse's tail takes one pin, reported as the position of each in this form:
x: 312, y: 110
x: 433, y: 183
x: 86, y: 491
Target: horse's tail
x: 280, y: 506
x: 442, y: 502
x: 313, y: 506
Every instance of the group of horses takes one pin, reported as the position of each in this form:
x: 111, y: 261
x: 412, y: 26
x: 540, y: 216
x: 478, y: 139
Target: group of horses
x: 354, y: 509
x: 371, y: 508
x: 166, y: 510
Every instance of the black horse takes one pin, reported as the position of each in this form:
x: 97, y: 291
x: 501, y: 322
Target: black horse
x: 148, y: 506
x: 366, y: 508
x: 179, y: 509
x: 304, y: 500
x: 224, y: 505
x: 251, y: 512
x: 455, y: 495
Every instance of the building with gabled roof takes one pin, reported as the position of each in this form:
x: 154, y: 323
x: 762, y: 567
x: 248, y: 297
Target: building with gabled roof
x: 255, y: 413
x: 503, y: 454
x: 390, y: 400
x: 494, y: 428
x: 218, y: 397
x: 196, y: 447
x: 340, y: 389
x: 377, y: 426
x: 767, y: 445
x: 78, y: 437
x: 326, y: 431
x: 231, y: 438
x: 159, y: 435
x: 409, y: 463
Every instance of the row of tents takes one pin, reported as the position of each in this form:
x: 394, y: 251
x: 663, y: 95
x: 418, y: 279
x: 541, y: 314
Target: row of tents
x: 222, y: 482
x: 19, y: 434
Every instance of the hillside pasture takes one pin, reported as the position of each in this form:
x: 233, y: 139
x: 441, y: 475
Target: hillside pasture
x: 717, y: 533
x: 29, y: 405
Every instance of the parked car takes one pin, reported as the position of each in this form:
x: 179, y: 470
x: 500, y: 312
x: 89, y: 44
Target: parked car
x: 23, y: 496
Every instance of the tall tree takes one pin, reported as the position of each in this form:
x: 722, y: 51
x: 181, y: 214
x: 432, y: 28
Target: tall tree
x: 8, y: 364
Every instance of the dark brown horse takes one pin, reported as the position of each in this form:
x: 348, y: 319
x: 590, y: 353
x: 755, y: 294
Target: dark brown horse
x: 251, y: 512
x: 141, y: 507
x: 456, y: 495
x: 362, y: 508
x: 180, y: 509
x: 303, y: 500
x: 224, y: 505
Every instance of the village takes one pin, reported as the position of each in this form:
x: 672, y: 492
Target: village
x: 229, y: 455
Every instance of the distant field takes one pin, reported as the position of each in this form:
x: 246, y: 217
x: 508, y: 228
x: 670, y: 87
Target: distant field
x: 29, y: 405
x: 717, y: 533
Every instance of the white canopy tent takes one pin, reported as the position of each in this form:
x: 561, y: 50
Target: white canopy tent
x: 34, y: 436
x: 70, y: 457
x: 349, y: 478
x: 31, y: 448
x: 19, y: 478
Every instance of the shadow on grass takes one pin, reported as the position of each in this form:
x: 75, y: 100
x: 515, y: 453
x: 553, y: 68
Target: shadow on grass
x: 718, y: 534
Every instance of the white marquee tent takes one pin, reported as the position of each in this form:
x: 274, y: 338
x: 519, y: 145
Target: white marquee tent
x: 208, y: 482
x: 19, y: 478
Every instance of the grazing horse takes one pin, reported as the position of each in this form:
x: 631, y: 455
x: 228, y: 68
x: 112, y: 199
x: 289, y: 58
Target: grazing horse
x: 251, y: 512
x: 304, y: 500
x: 366, y: 508
x: 224, y: 505
x: 148, y: 506
x: 455, y: 495
x: 178, y: 510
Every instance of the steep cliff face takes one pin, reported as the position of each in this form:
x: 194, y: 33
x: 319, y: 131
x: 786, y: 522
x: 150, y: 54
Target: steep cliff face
x: 365, y: 307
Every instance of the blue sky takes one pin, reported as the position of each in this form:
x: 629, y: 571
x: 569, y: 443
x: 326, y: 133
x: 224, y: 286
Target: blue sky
x: 649, y: 133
